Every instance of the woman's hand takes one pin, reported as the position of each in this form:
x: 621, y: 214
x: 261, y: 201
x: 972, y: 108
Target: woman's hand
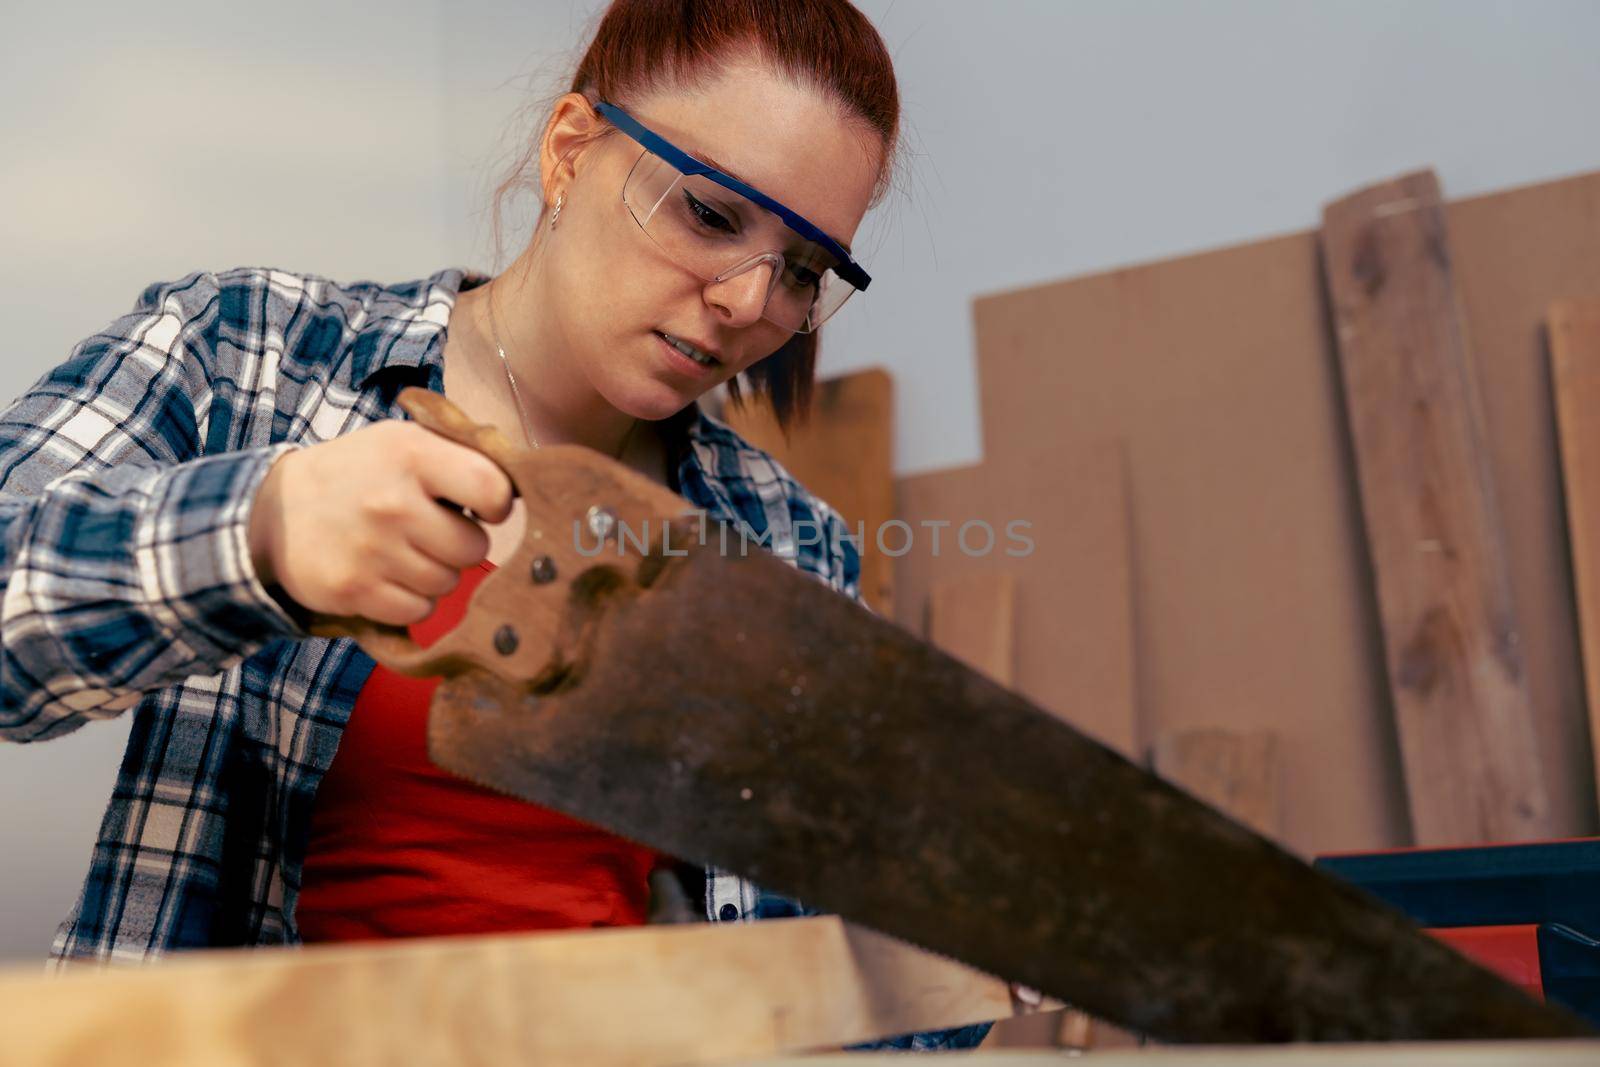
x: 355, y: 525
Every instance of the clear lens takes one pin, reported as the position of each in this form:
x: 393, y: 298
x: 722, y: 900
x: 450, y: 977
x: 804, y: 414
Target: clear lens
x: 717, y: 233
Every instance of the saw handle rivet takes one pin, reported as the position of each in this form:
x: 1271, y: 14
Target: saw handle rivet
x: 544, y: 570
x: 602, y: 521
x: 505, y: 640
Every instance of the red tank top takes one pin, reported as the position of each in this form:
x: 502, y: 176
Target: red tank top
x: 399, y: 848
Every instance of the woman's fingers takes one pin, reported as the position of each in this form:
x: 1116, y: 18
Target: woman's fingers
x: 448, y: 539
x: 355, y: 525
x: 391, y: 604
x: 465, y: 477
x: 419, y: 573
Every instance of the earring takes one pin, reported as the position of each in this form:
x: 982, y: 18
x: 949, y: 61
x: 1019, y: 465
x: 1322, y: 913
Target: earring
x: 555, y: 212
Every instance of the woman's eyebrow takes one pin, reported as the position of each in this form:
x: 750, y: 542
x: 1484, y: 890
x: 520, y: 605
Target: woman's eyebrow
x: 711, y: 161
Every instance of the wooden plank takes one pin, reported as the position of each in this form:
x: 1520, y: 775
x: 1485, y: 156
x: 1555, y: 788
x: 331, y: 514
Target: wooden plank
x: 844, y: 453
x: 1516, y: 252
x: 974, y: 619
x: 688, y: 995
x: 1216, y: 371
x: 1433, y: 527
x: 1074, y: 603
x: 1574, y: 327
x: 1253, y: 591
x: 1235, y: 771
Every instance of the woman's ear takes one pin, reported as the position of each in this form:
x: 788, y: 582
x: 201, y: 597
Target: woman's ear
x: 573, y: 125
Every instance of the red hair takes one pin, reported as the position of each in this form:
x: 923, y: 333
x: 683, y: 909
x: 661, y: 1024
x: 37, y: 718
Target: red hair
x: 644, y: 46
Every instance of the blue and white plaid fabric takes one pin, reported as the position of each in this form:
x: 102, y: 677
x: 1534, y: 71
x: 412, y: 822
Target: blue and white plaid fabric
x: 126, y: 478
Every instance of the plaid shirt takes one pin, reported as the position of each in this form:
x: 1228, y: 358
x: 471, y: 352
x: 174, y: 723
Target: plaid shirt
x: 126, y: 479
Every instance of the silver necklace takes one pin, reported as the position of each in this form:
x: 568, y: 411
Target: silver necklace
x: 516, y: 394
x: 511, y: 379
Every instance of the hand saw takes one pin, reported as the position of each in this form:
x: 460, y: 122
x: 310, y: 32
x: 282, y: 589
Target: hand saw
x: 704, y: 698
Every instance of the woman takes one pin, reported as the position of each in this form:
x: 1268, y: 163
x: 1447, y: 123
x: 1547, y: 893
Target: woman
x: 226, y: 459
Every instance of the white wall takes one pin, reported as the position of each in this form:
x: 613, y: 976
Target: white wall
x: 1049, y: 138
x: 140, y: 142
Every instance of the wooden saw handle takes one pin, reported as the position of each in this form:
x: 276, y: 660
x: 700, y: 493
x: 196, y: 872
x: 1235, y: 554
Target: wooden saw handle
x: 390, y: 645
x: 595, y: 533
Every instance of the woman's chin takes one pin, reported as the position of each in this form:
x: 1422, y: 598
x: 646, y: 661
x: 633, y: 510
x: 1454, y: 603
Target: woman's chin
x: 655, y: 400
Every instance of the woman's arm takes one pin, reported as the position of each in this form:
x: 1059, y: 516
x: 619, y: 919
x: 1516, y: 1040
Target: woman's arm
x: 123, y: 557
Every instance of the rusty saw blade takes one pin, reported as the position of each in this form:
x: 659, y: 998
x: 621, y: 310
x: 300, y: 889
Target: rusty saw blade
x: 722, y: 707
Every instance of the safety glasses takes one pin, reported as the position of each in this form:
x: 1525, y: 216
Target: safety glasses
x: 717, y: 227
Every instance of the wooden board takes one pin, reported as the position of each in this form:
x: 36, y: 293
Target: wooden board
x: 1235, y: 771
x: 973, y: 618
x: 1074, y: 622
x: 844, y: 453
x: 1412, y: 401
x: 652, y: 995
x: 1575, y: 366
x: 1253, y: 592
x: 1515, y: 253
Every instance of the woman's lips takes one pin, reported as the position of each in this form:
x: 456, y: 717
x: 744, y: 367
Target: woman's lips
x: 682, y: 363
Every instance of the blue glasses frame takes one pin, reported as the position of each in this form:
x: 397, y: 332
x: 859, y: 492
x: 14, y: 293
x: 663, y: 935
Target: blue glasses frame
x: 848, y: 269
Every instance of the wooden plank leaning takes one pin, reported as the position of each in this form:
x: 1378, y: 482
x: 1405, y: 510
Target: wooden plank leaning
x: 1414, y: 412
x: 1574, y: 332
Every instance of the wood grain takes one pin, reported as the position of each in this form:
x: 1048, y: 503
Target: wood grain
x: 1574, y: 329
x: 844, y: 453
x: 974, y: 619
x: 1412, y: 400
x: 1235, y: 771
x: 654, y: 995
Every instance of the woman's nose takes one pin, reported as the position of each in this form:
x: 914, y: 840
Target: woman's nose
x: 743, y: 296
